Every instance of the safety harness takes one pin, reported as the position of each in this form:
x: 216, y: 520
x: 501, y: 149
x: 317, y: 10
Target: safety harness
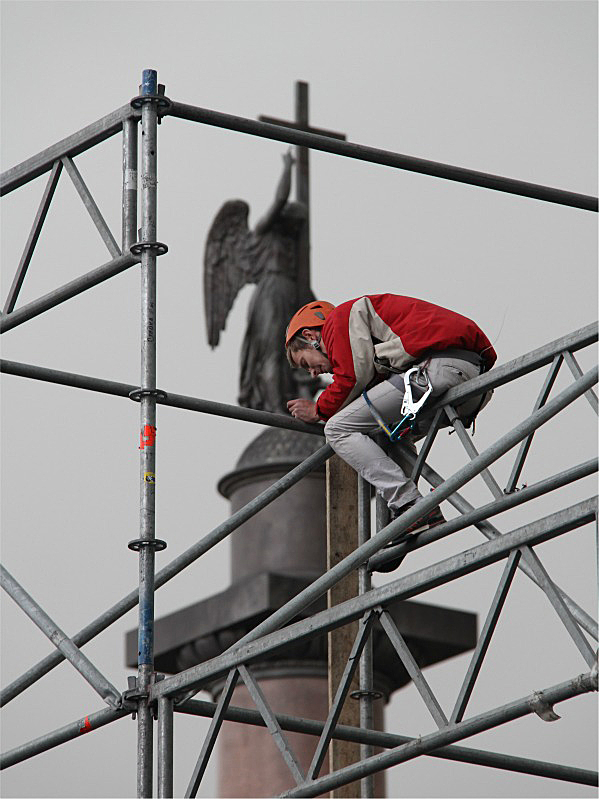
x: 410, y: 407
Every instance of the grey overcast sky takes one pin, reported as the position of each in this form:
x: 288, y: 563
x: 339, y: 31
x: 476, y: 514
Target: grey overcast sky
x: 503, y: 87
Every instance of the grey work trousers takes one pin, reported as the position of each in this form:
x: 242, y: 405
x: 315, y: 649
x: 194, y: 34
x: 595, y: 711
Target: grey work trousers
x: 347, y: 431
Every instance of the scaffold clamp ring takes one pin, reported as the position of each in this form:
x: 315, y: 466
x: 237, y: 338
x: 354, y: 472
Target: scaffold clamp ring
x: 366, y: 695
x: 156, y: 544
x: 163, y: 102
x: 138, y: 393
x: 157, y: 247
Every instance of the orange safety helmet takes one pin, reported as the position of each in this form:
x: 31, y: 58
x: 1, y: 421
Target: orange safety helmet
x: 314, y: 314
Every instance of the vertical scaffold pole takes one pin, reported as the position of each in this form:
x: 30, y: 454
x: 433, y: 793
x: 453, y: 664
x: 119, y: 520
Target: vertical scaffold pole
x: 149, y: 120
x: 165, y: 747
x: 129, y: 219
x: 366, y: 678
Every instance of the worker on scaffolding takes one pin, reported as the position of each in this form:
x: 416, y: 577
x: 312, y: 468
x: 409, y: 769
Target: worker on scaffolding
x: 387, y: 354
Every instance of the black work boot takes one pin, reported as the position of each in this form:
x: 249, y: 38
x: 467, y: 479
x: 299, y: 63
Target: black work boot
x: 431, y: 519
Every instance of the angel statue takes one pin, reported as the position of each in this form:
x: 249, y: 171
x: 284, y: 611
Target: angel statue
x: 269, y: 257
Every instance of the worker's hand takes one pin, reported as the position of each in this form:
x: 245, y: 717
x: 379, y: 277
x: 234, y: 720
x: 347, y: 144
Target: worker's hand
x: 303, y: 409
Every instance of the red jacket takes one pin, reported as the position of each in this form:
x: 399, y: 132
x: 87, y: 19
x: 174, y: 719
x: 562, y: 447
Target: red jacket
x: 396, y: 330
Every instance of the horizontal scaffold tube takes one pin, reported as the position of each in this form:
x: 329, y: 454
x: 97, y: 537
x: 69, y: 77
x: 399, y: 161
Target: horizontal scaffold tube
x: 388, y: 740
x: 67, y: 733
x: 77, y: 143
x: 384, y: 157
x: 112, y: 123
x: 171, y: 400
x: 486, y: 511
x: 171, y: 570
x: 404, y: 588
x: 66, y: 292
x: 498, y: 376
x: 584, y: 683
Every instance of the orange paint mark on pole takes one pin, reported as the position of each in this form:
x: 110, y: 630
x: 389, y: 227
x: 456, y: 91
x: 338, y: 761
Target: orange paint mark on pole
x: 147, y: 436
x: 85, y: 725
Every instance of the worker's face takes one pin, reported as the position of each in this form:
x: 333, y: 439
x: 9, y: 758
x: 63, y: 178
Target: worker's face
x: 313, y: 361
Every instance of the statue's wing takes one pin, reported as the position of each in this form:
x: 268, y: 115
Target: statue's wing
x: 226, y: 265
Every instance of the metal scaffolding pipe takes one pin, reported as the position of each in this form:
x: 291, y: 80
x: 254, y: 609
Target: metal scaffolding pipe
x: 112, y: 123
x: 426, y: 504
x: 584, y: 683
x: 484, y: 639
x: 146, y: 543
x: 404, y: 588
x: 486, y: 511
x: 91, y: 207
x: 213, y: 730
x: 384, y: 157
x: 525, y: 445
x: 73, y: 145
x: 387, y: 740
x: 171, y: 570
x: 576, y: 372
x: 60, y: 640
x: 129, y: 200
x: 171, y: 400
x: 60, y: 736
x: 66, y: 292
x: 165, y: 748
x: 366, y: 681
x: 34, y: 235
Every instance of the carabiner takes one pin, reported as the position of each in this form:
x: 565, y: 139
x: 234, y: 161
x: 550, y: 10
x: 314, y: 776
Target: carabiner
x: 408, y: 406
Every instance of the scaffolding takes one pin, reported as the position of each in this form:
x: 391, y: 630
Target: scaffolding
x: 150, y: 696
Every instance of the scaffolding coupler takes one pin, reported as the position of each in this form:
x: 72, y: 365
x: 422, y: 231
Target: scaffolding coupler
x: 157, y: 544
x: 162, y: 103
x: 542, y: 708
x: 130, y: 698
x: 155, y: 247
x: 137, y: 394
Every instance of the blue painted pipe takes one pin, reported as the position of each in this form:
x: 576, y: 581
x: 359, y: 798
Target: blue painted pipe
x: 149, y: 81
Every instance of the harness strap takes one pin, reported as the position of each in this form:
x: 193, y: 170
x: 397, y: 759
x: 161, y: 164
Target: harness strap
x: 462, y: 355
x: 397, y: 431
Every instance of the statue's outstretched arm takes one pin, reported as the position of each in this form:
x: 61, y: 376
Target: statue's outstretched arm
x: 281, y: 196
